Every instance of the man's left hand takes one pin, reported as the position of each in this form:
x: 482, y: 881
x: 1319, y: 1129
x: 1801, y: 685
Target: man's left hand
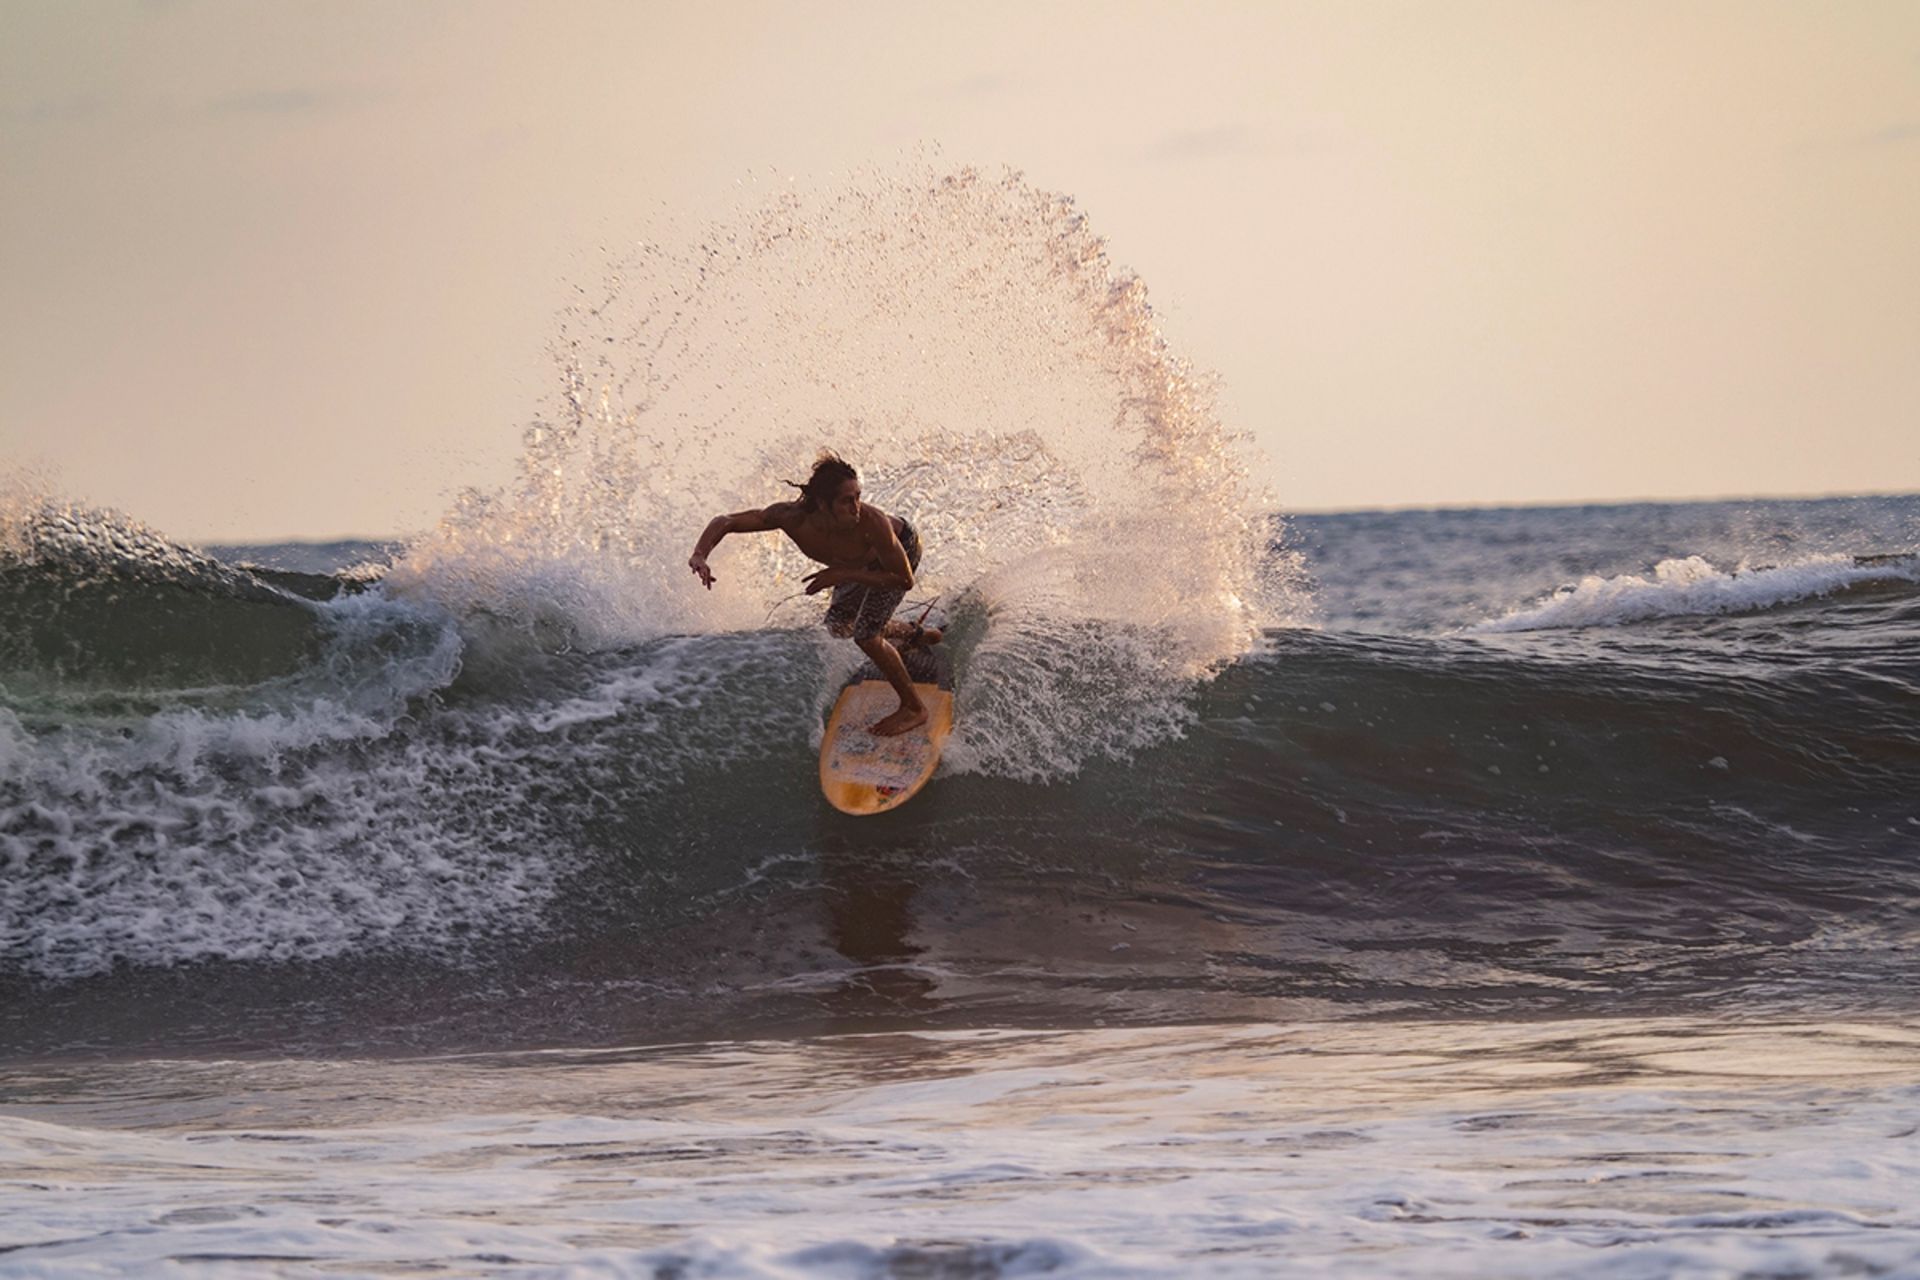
x: 821, y: 580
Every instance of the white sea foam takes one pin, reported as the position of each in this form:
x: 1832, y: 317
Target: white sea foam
x: 1693, y: 587
x: 295, y: 818
x: 1596, y: 1149
x: 350, y: 807
x: 241, y: 834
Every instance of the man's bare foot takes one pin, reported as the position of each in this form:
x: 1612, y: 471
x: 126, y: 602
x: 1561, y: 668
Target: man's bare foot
x: 902, y: 721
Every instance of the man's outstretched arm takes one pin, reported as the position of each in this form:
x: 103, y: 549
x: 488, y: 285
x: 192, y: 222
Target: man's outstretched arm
x: 759, y: 521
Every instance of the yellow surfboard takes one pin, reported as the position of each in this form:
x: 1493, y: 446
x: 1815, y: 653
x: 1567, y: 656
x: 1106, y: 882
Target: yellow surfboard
x: 861, y: 773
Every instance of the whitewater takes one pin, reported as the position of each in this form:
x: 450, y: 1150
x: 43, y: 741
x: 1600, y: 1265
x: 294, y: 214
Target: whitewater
x: 1481, y: 892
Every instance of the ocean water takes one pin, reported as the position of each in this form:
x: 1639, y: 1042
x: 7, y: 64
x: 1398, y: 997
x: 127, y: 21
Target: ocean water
x: 1469, y: 893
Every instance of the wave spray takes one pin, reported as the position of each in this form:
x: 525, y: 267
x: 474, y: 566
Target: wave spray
x: 1090, y: 523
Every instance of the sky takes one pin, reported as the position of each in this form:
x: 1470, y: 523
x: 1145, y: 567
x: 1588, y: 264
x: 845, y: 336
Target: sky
x: 289, y: 270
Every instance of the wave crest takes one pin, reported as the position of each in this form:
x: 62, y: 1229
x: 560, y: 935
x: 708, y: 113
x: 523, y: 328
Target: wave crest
x: 1693, y: 587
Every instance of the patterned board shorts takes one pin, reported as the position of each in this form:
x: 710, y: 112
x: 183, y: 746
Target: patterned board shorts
x: 863, y: 612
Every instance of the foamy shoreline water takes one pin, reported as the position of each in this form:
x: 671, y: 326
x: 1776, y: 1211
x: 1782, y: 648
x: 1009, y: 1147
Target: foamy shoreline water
x: 1606, y: 1148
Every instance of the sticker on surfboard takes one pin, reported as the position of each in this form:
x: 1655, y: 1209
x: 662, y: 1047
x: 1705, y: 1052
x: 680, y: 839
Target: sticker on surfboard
x: 861, y: 773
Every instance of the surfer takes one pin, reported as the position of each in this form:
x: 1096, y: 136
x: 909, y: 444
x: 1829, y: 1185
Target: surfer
x: 870, y: 558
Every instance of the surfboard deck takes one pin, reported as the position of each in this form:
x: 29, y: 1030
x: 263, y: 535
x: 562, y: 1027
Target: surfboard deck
x: 862, y: 774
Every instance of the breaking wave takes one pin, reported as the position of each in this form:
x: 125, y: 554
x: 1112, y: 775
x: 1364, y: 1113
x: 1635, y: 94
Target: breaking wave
x: 1693, y: 587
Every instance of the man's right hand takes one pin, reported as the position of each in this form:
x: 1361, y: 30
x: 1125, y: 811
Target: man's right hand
x: 699, y: 566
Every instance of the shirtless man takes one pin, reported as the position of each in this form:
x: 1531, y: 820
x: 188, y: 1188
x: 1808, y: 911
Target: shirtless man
x: 870, y: 558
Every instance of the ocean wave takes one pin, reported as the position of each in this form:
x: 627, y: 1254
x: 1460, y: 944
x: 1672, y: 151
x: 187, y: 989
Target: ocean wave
x: 91, y: 603
x: 409, y: 806
x: 1693, y: 587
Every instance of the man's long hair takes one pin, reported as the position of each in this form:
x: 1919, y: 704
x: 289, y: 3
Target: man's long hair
x: 830, y: 471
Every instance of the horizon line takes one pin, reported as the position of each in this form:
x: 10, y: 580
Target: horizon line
x: 1542, y: 504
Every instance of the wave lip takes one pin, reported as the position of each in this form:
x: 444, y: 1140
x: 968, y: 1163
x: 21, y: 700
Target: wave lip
x: 1693, y: 587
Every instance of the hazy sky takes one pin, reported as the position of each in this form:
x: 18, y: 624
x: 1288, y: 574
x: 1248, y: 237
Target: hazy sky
x: 279, y: 269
